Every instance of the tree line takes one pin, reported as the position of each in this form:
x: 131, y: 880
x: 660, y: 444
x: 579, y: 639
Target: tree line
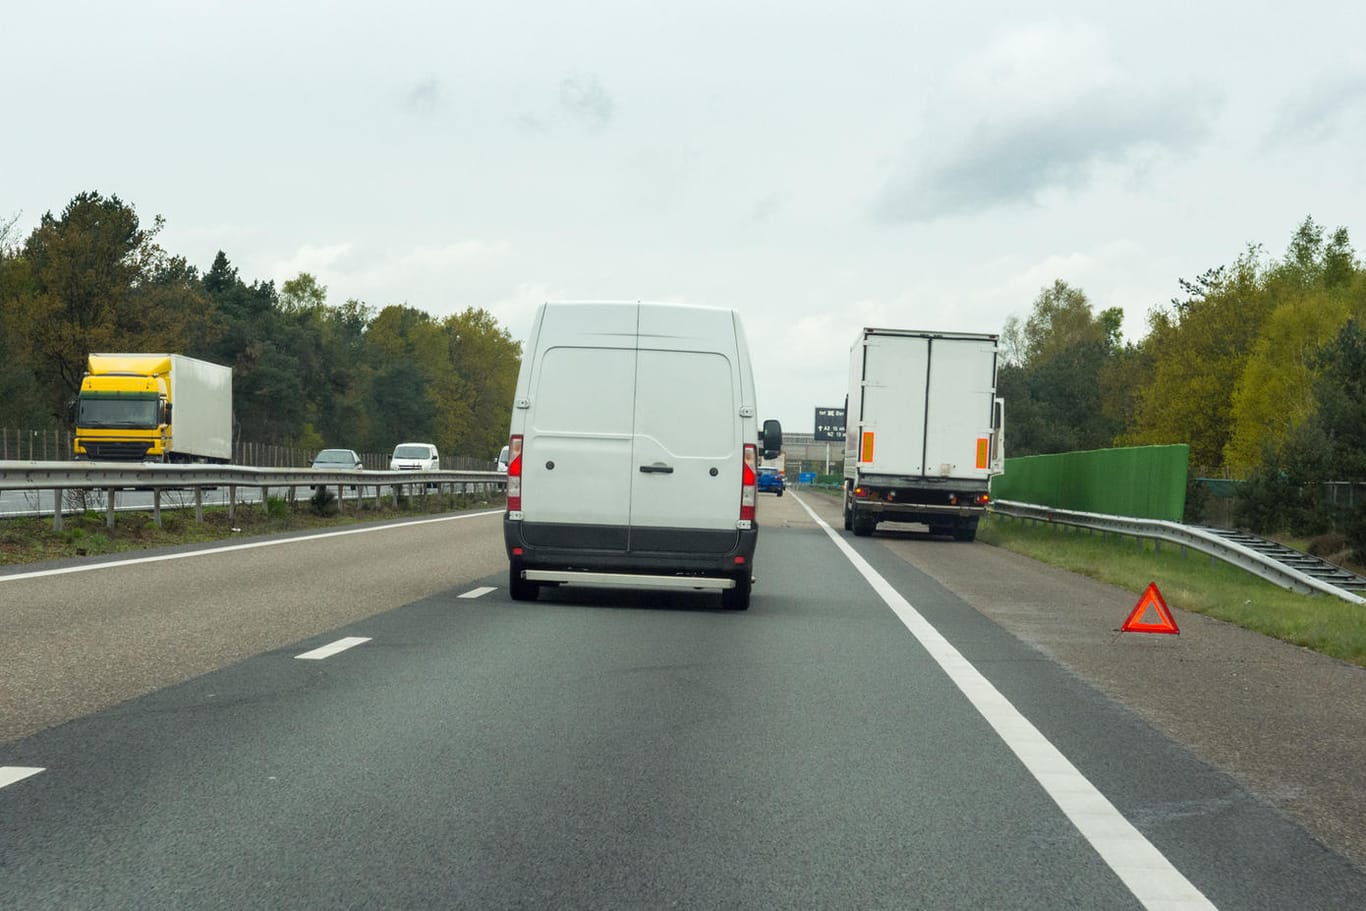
x: 1259, y: 365
x: 306, y: 373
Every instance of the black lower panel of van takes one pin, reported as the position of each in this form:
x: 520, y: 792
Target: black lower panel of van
x: 682, y: 541
x: 590, y: 537
x: 651, y: 549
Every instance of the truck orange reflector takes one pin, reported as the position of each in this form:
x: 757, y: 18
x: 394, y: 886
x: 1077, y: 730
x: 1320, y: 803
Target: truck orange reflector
x: 983, y: 449
x: 866, y: 453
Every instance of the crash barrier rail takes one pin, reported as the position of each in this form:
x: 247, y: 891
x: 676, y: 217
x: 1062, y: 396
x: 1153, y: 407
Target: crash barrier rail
x: 51, y: 444
x: 1206, y: 541
x: 110, y: 478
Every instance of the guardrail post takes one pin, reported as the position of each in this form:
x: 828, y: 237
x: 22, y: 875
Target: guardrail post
x: 109, y: 513
x: 57, y: 494
x: 198, y: 503
x: 341, y: 499
x: 232, y: 503
x: 156, y: 506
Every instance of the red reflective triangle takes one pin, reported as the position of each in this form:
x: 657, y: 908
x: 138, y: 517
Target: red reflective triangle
x: 1152, y: 598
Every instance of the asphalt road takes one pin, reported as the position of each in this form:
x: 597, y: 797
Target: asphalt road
x: 825, y: 749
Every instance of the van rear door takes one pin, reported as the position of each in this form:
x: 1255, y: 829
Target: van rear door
x: 687, y: 447
x: 577, y: 451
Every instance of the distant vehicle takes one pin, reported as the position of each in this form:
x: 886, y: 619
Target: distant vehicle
x: 924, y: 435
x: 154, y: 408
x: 634, y: 447
x: 337, y: 458
x: 415, y: 457
x: 503, y: 458
x: 771, y: 480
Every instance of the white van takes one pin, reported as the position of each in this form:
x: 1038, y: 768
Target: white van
x: 415, y: 457
x: 634, y: 451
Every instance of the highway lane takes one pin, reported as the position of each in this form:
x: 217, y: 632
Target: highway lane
x: 73, y: 643
x: 620, y: 750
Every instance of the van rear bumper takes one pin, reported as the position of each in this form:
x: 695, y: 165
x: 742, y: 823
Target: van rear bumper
x: 603, y: 548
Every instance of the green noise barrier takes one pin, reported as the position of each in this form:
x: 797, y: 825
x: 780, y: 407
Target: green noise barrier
x: 1142, y: 482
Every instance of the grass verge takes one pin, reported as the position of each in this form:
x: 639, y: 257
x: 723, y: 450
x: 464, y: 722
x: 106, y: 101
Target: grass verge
x: 1192, y: 582
x: 25, y: 540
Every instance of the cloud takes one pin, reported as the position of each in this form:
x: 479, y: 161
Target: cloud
x: 423, y: 97
x: 1326, y: 109
x: 586, y: 102
x: 459, y: 253
x: 315, y: 260
x: 1039, y: 110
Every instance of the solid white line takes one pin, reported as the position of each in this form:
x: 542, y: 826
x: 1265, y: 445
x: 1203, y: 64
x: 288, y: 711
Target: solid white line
x: 250, y: 545
x: 327, y: 651
x: 477, y: 592
x: 9, y: 774
x: 1148, y: 874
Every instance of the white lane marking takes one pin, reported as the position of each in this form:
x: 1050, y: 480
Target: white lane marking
x: 477, y: 592
x: 1148, y: 874
x: 250, y: 545
x: 9, y: 774
x: 327, y: 651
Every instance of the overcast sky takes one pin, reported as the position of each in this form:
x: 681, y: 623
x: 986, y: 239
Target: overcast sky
x: 817, y: 166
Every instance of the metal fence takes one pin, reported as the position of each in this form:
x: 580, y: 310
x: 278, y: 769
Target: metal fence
x: 54, y: 445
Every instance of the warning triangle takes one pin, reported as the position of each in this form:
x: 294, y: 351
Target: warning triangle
x: 1151, y: 601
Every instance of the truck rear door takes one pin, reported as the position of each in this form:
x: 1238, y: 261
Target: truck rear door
x: 892, y: 421
x: 960, y: 401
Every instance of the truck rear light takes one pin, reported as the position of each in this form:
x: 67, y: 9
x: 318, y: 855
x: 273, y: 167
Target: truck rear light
x: 749, y: 480
x: 982, y: 499
x: 514, y: 496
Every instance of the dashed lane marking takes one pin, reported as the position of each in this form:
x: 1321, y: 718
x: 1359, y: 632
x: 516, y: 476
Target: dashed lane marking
x: 478, y: 592
x: 327, y: 651
x: 9, y: 774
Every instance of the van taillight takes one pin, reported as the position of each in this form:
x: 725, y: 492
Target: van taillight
x: 749, y: 491
x: 515, y: 473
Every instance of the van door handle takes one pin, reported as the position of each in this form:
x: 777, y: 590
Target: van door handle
x: 657, y: 468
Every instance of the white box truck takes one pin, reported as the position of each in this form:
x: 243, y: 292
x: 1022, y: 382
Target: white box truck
x: 634, y: 451
x: 923, y: 430
x: 153, y: 407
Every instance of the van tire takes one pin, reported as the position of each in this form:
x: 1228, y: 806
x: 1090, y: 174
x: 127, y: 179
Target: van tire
x: 737, y: 598
x: 519, y: 588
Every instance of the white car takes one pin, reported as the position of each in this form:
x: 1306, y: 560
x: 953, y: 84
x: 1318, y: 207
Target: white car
x: 415, y: 457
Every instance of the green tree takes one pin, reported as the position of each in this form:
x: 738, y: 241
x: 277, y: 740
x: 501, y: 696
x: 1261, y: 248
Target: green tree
x: 1052, y: 378
x: 85, y: 266
x: 23, y: 403
x: 1198, y: 349
x: 486, y: 358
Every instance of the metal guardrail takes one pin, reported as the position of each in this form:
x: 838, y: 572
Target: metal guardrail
x: 1206, y: 541
x: 110, y: 477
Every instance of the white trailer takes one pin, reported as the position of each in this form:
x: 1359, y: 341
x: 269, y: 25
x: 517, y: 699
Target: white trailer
x: 923, y: 430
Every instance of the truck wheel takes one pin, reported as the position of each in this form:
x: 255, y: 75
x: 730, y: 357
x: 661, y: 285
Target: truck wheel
x: 737, y: 598
x: 967, y: 531
x: 863, y: 525
x: 519, y: 588
x: 848, y: 512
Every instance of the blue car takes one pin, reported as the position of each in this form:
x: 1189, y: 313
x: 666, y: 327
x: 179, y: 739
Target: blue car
x: 771, y: 481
